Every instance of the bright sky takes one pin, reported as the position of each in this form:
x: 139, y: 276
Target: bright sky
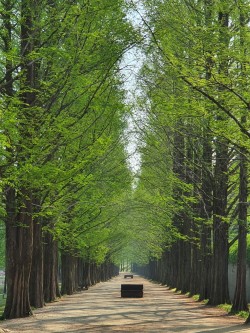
x: 132, y: 62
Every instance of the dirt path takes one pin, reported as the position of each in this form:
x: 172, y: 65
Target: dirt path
x: 101, y: 309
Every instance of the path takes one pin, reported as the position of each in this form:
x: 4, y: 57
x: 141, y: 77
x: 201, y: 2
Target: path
x: 101, y: 309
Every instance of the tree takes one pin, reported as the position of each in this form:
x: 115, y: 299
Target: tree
x: 240, y: 301
x: 61, y: 62
x: 205, y: 55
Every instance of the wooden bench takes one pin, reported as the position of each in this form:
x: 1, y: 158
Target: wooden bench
x: 132, y: 290
x: 128, y: 275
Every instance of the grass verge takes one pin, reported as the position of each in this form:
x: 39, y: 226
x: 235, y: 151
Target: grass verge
x: 227, y: 308
x: 2, y: 304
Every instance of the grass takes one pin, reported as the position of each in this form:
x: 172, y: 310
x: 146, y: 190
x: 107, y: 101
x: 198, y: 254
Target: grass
x: 227, y: 308
x: 2, y: 304
x: 2, y: 299
x: 196, y: 297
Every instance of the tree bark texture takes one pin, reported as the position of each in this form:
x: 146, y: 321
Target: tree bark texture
x: 69, y: 274
x: 19, y: 242
x: 50, y: 281
x: 19, y: 228
x: 36, y: 277
x: 219, y: 288
x: 240, y: 299
x: 206, y: 214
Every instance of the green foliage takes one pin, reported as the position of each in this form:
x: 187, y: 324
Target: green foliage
x: 193, y: 52
x: 227, y: 308
x: 65, y: 146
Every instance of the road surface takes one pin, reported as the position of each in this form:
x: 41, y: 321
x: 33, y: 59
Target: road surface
x: 101, y: 309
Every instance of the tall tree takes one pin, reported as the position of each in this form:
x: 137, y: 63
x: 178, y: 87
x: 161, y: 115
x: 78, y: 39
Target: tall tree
x: 204, y: 53
x: 240, y: 301
x: 19, y: 236
x: 60, y: 65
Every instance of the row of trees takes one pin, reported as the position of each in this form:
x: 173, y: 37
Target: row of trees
x: 196, y: 153
x: 65, y: 184
x: 64, y: 175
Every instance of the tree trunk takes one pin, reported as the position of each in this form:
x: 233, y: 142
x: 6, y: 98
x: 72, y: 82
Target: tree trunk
x: 86, y: 282
x: 219, y: 288
x: 206, y: 205
x: 50, y: 281
x: 19, y: 242
x: 240, y: 299
x: 19, y: 226
x: 69, y: 276
x: 205, y: 214
x: 181, y: 249
x: 36, y: 277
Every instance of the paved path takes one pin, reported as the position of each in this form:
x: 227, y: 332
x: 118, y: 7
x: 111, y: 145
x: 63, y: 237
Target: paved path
x: 101, y: 309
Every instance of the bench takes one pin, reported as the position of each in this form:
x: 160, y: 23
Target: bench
x: 132, y: 290
x: 128, y: 275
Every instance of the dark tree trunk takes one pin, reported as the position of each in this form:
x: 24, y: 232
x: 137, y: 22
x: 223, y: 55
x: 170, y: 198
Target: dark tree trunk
x: 93, y: 274
x: 173, y: 259
x: 36, y: 277
x: 182, y: 249
x: 219, y: 288
x: 50, y: 281
x: 184, y: 264
x: 19, y: 235
x: 240, y: 300
x: 206, y: 205
x: 205, y: 214
x: 103, y: 272
x: 86, y: 282
x: 194, y: 276
x: 69, y: 274
x: 19, y: 226
x: 79, y: 272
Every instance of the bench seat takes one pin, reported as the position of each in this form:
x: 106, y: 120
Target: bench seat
x: 132, y: 290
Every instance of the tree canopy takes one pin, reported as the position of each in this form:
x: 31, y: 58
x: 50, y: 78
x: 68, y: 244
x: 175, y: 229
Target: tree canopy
x: 67, y: 190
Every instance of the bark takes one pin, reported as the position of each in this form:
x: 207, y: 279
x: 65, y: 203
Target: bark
x: 79, y: 272
x: 205, y: 214
x: 19, y: 226
x: 50, y: 281
x: 206, y: 182
x: 36, y: 277
x: 194, y: 269
x: 86, y: 281
x: 182, y: 250
x: 69, y: 274
x: 184, y: 265
x: 193, y: 177
x: 219, y: 288
x: 173, y: 259
x: 19, y: 235
x: 240, y: 299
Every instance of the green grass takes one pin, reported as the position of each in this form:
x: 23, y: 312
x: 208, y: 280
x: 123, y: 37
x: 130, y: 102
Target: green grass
x: 196, y: 297
x: 2, y: 304
x: 2, y: 299
x: 227, y: 308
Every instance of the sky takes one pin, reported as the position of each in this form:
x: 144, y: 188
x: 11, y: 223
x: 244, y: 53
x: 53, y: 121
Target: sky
x: 131, y: 65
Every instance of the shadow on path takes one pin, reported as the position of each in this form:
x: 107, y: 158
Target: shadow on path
x: 101, y: 309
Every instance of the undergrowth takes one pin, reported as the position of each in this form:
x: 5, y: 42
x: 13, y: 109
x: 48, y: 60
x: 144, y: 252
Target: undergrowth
x: 227, y: 308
